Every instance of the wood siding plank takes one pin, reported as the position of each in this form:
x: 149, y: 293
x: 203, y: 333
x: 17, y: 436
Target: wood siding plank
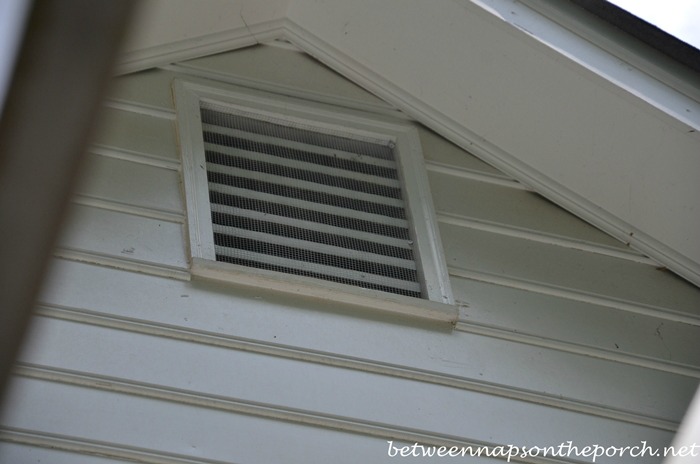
x: 140, y: 134
x: 132, y: 184
x: 577, y: 322
x: 381, y: 340
x: 124, y: 236
x: 559, y: 267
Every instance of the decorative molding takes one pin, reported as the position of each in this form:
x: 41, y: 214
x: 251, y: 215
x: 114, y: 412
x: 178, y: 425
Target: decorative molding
x: 186, y: 69
x: 196, y: 47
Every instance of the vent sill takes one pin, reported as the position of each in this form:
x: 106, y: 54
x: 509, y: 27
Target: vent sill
x: 322, y: 290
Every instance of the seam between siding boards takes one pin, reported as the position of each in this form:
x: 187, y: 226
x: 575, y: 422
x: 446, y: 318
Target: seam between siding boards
x: 235, y: 406
x: 140, y: 108
x: 585, y: 297
x: 124, y: 264
x: 543, y: 237
x: 465, y: 173
x: 134, y: 210
x: 96, y: 448
x: 286, y: 352
x: 134, y: 156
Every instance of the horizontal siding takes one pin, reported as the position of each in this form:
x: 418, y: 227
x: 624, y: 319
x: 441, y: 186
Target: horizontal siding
x: 270, y: 319
x: 584, y: 324
x: 575, y: 270
x: 564, y: 334
x: 438, y: 151
x: 274, y: 383
x: 148, y: 89
x: 512, y: 208
x: 125, y: 236
x: 33, y: 453
x: 134, y: 133
x: 184, y: 431
x: 130, y: 183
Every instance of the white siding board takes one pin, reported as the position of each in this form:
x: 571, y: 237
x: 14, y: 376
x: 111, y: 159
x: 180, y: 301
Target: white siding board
x: 277, y: 383
x: 577, y: 322
x: 520, y: 209
x: 132, y: 184
x: 438, y: 150
x: 150, y: 88
x: 124, y: 236
x: 575, y: 270
x: 276, y: 320
x: 184, y: 431
x: 139, y: 134
x: 21, y: 453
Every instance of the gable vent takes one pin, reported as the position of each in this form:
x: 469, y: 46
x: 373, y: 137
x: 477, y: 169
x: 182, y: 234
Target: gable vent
x: 294, y: 198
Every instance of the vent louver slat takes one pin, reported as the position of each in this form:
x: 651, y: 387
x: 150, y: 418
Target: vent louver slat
x: 291, y: 198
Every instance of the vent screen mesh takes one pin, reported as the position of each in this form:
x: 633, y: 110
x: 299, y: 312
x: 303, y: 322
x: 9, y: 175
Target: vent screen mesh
x: 288, y: 198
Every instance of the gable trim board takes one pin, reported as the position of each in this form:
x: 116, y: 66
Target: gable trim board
x: 673, y: 223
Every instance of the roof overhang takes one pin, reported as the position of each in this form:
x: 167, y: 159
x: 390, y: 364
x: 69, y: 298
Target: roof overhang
x: 585, y: 117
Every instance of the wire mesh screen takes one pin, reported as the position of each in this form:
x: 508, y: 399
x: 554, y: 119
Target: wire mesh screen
x: 289, y: 198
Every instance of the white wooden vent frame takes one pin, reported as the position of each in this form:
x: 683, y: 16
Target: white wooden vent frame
x: 427, y: 248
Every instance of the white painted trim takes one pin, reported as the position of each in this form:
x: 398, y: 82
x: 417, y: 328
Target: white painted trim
x: 460, y: 135
x: 430, y: 256
x: 620, y: 44
x: 192, y: 70
x: 323, y: 290
x: 198, y: 46
x: 194, y: 172
x: 419, y: 206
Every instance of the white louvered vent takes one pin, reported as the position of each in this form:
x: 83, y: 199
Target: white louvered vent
x: 291, y: 198
x: 308, y: 198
